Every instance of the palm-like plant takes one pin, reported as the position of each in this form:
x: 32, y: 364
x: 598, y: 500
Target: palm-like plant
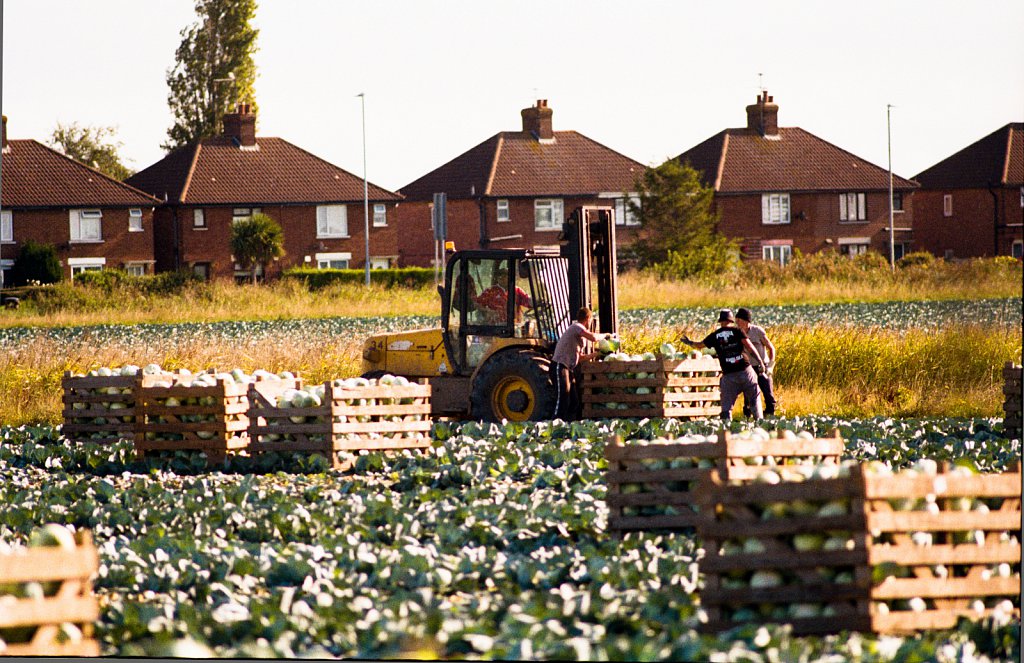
x: 256, y: 241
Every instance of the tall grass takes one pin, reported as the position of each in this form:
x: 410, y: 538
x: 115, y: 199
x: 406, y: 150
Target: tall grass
x: 836, y: 371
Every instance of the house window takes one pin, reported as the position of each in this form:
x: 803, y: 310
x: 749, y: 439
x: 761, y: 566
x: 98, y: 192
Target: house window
x: 380, y: 215
x: 5, y: 266
x: 780, y: 253
x: 199, y: 221
x: 79, y: 265
x: 854, y: 246
x: 900, y: 249
x: 548, y: 214
x: 243, y: 213
x: 333, y: 260
x: 947, y: 205
x: 774, y: 208
x: 624, y: 215
x: 380, y: 263
x: 135, y: 220
x: 135, y: 268
x: 6, y: 226
x: 85, y: 225
x: 503, y: 212
x: 331, y: 221
x: 852, y: 207
x: 201, y: 269
x: 897, y: 201
x: 1017, y: 249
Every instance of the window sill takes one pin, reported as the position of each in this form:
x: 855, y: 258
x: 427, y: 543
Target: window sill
x: 334, y: 236
x: 853, y: 223
x: 547, y: 230
x: 86, y: 241
x: 136, y: 230
x: 379, y: 225
x: 200, y: 228
x: 777, y: 223
x: 503, y: 221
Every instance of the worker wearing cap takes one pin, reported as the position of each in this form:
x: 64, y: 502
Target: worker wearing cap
x: 730, y: 345
x: 766, y: 353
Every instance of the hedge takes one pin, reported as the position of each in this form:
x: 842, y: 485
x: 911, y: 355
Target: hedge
x: 408, y: 277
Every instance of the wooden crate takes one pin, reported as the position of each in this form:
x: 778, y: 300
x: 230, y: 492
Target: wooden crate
x: 1013, y: 402
x: 215, y: 421
x: 654, y: 486
x: 87, y: 398
x: 679, y: 388
x: 886, y: 562
x: 73, y: 603
x: 373, y: 418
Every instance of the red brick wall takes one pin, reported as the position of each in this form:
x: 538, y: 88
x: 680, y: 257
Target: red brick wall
x: 970, y: 231
x: 54, y: 227
x: 213, y: 245
x: 416, y: 237
x: 820, y: 227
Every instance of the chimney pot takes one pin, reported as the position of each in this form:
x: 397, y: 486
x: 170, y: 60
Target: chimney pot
x: 537, y: 120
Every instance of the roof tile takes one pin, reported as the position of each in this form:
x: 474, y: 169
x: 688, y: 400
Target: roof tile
x: 998, y: 158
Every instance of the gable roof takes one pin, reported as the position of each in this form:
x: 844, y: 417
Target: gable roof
x: 516, y: 163
x: 996, y: 159
x: 794, y: 160
x: 216, y: 171
x: 36, y: 176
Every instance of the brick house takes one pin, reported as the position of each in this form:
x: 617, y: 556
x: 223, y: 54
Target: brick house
x: 515, y: 188
x: 207, y: 186
x: 971, y: 204
x: 93, y: 220
x: 782, y: 188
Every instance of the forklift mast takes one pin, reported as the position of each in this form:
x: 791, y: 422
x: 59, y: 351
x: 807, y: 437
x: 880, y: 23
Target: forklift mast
x: 588, y: 242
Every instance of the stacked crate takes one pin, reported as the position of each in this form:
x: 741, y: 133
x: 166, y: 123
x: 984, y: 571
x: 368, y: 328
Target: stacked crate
x: 888, y: 553
x: 350, y: 419
x: 1014, y: 400
x: 683, y: 388
x: 212, y: 419
x: 653, y: 485
x: 60, y: 623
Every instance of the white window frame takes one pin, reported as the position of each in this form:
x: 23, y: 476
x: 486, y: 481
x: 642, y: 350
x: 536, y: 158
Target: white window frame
x: 135, y: 268
x: 624, y: 215
x: 379, y: 263
x: 947, y: 205
x: 1017, y: 249
x: 898, y: 195
x: 331, y: 221
x: 199, y: 219
x: 554, y: 209
x: 380, y: 215
x: 86, y: 232
x: 135, y: 220
x: 853, y: 208
x: 780, y: 253
x: 325, y: 260
x: 6, y: 227
x: 243, y: 213
x: 863, y: 245
x: 79, y: 265
x: 775, y: 209
x: 503, y: 213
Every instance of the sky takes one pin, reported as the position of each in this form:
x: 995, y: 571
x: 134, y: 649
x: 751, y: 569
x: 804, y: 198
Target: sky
x: 649, y: 79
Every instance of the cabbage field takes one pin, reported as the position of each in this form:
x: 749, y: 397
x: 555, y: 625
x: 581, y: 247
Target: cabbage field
x: 491, y: 545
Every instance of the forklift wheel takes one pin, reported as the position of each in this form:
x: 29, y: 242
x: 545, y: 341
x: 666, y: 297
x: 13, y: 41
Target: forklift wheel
x: 514, y: 385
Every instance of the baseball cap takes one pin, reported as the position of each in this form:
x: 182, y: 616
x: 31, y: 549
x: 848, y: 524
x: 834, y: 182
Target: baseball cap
x: 725, y: 315
x: 743, y: 314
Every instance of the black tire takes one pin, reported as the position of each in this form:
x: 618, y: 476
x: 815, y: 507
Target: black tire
x: 514, y: 385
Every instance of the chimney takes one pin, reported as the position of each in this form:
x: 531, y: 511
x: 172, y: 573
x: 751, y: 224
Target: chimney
x: 537, y: 121
x: 241, y: 126
x: 763, y: 116
x: 4, y: 146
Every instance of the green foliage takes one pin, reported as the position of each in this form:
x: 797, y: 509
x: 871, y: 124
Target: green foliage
x: 94, y: 290
x: 678, y: 226
x: 256, y: 241
x: 36, y: 263
x: 407, y: 277
x: 916, y: 259
x: 93, y: 146
x: 219, y: 44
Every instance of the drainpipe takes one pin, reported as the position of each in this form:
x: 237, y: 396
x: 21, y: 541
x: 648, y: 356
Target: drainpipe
x: 177, y: 238
x: 995, y: 220
x: 483, y: 219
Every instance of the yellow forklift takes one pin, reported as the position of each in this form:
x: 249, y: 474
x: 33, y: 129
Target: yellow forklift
x: 502, y: 311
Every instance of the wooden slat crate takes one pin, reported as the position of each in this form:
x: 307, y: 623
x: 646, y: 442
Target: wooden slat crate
x: 878, y: 569
x: 653, y: 486
x: 73, y: 603
x: 683, y: 388
x: 1013, y: 402
x: 374, y: 418
x: 215, y: 422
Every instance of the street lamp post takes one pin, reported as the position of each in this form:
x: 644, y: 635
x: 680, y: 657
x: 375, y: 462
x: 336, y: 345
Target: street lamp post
x: 366, y: 197
x: 892, y: 229
x: 216, y: 111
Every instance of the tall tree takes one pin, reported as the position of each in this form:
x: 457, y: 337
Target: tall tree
x: 678, y: 233
x: 213, y: 69
x: 256, y: 241
x: 93, y: 146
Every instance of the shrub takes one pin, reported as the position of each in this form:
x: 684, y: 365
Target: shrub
x: 409, y: 277
x: 916, y: 259
x: 36, y: 262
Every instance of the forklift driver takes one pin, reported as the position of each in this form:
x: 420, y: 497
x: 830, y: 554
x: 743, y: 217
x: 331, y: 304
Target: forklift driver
x: 494, y: 300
